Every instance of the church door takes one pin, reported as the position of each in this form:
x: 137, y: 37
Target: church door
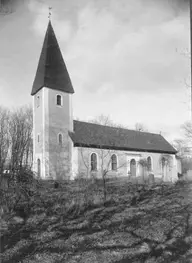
x: 38, y: 168
x: 133, y: 167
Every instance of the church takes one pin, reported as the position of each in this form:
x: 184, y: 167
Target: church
x: 64, y: 148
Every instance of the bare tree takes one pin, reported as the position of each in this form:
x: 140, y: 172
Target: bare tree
x: 140, y: 127
x: 187, y: 128
x: 181, y: 146
x: 105, y: 165
x: 106, y: 121
x: 4, y: 137
x: 186, y: 144
x: 15, y: 145
x: 21, y: 137
x: 7, y: 6
x: 105, y: 157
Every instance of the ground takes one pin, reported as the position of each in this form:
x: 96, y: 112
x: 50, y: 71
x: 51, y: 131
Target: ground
x: 135, y: 225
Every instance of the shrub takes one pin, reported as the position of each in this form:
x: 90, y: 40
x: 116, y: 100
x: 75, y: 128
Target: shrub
x: 22, y: 188
x: 181, y: 183
x: 56, y: 184
x: 179, y: 175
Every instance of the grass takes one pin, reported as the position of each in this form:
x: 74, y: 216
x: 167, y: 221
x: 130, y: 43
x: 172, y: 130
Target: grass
x: 71, y: 224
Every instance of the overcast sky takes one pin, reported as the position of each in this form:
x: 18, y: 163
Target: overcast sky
x: 124, y: 58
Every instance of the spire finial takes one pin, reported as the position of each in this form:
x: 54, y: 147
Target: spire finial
x: 50, y: 13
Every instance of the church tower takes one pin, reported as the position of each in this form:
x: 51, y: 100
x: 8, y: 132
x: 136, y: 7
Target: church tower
x: 52, y: 112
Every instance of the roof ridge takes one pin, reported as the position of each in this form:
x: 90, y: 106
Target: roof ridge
x: 45, y: 43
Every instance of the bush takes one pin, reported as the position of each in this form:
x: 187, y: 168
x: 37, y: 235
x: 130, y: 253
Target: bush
x: 22, y: 188
x: 56, y: 184
x: 181, y: 183
x: 179, y: 175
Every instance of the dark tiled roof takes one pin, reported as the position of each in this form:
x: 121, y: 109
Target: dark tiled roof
x: 51, y: 71
x: 98, y: 136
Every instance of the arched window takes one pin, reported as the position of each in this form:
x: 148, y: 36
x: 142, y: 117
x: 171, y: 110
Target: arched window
x: 93, y: 162
x: 114, y: 162
x: 38, y: 101
x: 149, y: 164
x: 133, y: 167
x: 38, y: 167
x: 163, y: 162
x: 59, y: 100
x: 60, y: 138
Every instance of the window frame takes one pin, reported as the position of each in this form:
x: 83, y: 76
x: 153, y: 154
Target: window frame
x: 94, y: 165
x: 61, y: 100
x: 114, y: 163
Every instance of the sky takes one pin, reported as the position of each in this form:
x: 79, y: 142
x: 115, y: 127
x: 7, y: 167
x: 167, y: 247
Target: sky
x: 128, y: 60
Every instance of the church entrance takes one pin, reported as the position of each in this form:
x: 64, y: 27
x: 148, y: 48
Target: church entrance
x: 133, y: 168
x: 38, y: 167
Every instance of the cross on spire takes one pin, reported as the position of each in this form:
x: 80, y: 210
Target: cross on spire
x: 50, y: 8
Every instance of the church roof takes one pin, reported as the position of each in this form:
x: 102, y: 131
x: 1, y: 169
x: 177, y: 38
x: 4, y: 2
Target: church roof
x: 98, y: 136
x: 51, y: 70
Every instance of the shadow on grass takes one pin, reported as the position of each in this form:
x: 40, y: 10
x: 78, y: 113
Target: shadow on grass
x: 62, y: 226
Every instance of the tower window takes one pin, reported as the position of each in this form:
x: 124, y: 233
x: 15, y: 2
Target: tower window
x: 38, y: 101
x: 59, y: 100
x: 38, y: 138
x: 60, y: 138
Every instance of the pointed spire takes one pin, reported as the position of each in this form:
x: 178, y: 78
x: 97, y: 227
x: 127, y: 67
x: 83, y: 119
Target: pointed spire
x: 51, y: 71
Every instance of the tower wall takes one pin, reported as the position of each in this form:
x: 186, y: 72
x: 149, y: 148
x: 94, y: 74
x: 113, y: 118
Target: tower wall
x: 60, y: 121
x: 50, y: 120
x: 38, y: 118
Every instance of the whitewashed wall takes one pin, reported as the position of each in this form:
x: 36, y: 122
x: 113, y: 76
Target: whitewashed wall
x: 82, y: 163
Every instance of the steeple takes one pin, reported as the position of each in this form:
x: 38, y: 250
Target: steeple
x: 51, y: 71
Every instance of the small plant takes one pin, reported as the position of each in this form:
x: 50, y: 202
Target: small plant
x: 166, y: 160
x: 21, y: 192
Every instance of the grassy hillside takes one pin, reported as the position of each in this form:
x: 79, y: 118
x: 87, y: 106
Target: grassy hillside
x: 71, y: 224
